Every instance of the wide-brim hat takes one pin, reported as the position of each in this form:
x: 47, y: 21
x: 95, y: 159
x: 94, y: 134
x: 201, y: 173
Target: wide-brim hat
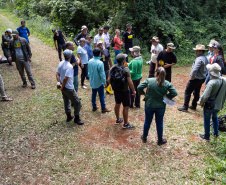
x: 156, y: 39
x: 210, y: 45
x: 200, y: 47
x: 135, y: 49
x: 171, y: 45
x: 214, y: 69
x: 15, y: 32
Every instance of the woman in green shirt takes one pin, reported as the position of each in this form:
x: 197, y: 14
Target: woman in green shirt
x: 157, y: 88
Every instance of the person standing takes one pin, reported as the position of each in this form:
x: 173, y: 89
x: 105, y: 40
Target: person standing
x: 74, y: 63
x: 169, y: 59
x: 107, y: 36
x: 97, y: 80
x: 215, y: 90
x: 59, y: 37
x: 197, y: 78
x: 88, y: 47
x: 23, y: 31
x: 100, y: 37
x: 120, y: 80
x: 156, y: 48
x: 157, y: 88
x: 118, y: 43
x: 127, y: 38
x: 83, y: 56
x: 20, y: 52
x: 64, y: 76
x: 5, y: 43
x: 135, y: 67
x: 83, y: 34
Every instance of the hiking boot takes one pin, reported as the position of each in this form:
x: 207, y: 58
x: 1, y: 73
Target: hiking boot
x: 128, y: 126
x: 78, y: 121
x: 192, y: 108
x: 24, y: 84
x: 33, y: 86
x: 203, y: 137
x: 94, y: 109
x: 163, y: 141
x: 119, y: 121
x: 183, y: 109
x: 69, y: 117
x: 106, y: 110
x: 143, y: 139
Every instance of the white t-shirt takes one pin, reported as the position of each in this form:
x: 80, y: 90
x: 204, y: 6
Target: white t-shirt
x: 84, y: 55
x: 107, y: 37
x: 66, y: 69
x: 102, y: 38
x: 155, y: 50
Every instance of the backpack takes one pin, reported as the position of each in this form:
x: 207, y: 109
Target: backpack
x: 112, y: 42
x: 118, y: 80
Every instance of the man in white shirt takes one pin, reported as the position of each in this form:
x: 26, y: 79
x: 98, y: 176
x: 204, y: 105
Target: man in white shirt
x: 65, y: 77
x: 107, y: 36
x: 156, y: 48
x: 101, y: 37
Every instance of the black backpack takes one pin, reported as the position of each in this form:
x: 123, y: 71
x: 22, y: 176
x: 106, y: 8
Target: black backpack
x: 118, y: 80
x: 112, y: 42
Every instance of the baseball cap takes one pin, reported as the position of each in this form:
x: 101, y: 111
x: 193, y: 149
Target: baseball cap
x: 171, y: 45
x: 84, y: 27
x: 135, y: 49
x: 120, y: 57
x: 99, y: 42
x: 128, y: 25
x: 156, y: 39
x: 9, y: 30
x: 15, y: 32
x: 67, y: 53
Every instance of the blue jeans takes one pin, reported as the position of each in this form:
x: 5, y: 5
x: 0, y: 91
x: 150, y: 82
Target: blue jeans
x: 207, y: 113
x: 76, y: 83
x: 116, y: 53
x: 100, y: 91
x: 159, y: 114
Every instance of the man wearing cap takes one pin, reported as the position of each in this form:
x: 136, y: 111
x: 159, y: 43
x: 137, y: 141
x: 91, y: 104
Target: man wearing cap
x: 214, y: 90
x: 5, y: 43
x: 121, y: 92
x: 156, y: 48
x: 83, y: 34
x: 169, y: 59
x: 65, y: 76
x: 135, y: 67
x: 97, y: 80
x: 59, y: 37
x: 83, y: 56
x: 107, y: 36
x: 197, y: 78
x: 100, y: 37
x: 20, y: 52
x: 127, y: 38
x: 23, y: 31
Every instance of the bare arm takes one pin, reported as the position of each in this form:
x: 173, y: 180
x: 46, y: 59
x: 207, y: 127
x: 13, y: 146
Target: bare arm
x: 110, y: 62
x: 79, y: 56
x: 78, y: 61
x: 64, y: 37
x: 28, y: 35
x: 58, y: 77
x: 55, y: 45
x: 64, y: 82
x: 130, y: 82
x: 169, y: 65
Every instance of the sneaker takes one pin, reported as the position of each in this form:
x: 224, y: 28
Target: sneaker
x: 119, y: 121
x: 33, y: 86
x: 106, y: 110
x: 85, y: 84
x: 143, y: 139
x: 128, y: 126
x: 95, y: 109
x: 183, y: 109
x: 24, y: 84
x: 192, y: 108
x: 84, y: 87
x: 163, y: 141
x: 203, y: 137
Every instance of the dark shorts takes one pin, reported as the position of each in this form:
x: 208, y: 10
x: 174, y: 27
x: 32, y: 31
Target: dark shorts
x: 122, y: 97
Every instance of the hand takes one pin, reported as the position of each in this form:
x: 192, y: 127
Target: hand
x: 134, y: 93
x: 29, y: 59
x: 105, y: 86
x: 10, y: 59
x: 57, y: 49
x: 5, y: 43
x: 61, y: 88
x: 165, y: 65
x: 82, y: 66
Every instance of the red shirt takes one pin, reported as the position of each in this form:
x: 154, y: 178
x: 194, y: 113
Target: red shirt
x: 118, y: 43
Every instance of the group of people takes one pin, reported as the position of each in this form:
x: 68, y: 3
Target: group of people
x: 124, y: 76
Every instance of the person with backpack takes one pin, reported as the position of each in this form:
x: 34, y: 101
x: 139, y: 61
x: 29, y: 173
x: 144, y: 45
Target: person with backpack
x: 23, y: 31
x: 5, y: 43
x: 117, y: 44
x: 120, y: 80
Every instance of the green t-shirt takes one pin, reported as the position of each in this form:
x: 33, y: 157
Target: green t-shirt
x: 135, y: 67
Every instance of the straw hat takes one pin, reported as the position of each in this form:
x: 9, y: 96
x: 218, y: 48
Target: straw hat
x: 200, y: 47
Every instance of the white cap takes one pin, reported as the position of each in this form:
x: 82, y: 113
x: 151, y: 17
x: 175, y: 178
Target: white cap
x: 9, y: 30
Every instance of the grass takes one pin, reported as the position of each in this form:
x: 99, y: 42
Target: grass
x: 37, y: 146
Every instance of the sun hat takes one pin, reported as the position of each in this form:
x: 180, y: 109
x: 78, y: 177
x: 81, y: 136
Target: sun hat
x: 9, y: 30
x: 200, y: 47
x: 99, y: 42
x: 120, y: 57
x: 156, y: 39
x: 135, y: 49
x: 84, y: 27
x: 67, y: 53
x: 214, y: 69
x: 15, y: 32
x: 171, y: 45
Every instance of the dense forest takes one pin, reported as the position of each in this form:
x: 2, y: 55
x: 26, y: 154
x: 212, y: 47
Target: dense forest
x: 184, y: 22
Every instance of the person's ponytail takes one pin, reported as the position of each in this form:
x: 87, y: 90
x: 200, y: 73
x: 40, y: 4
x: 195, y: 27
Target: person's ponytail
x: 160, y: 77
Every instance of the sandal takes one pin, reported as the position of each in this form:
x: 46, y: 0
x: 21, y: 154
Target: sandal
x: 7, y: 99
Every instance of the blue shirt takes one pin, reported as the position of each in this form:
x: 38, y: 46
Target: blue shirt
x: 89, y: 50
x: 84, y: 55
x: 23, y: 32
x: 96, y: 73
x: 73, y: 60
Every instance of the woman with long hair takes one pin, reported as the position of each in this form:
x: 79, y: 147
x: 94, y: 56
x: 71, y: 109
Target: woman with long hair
x: 157, y: 88
x: 219, y: 56
x: 118, y: 43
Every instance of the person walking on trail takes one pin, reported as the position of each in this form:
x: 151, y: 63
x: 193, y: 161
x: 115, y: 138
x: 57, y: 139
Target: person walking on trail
x: 120, y: 80
x: 156, y: 48
x: 157, y: 88
x: 167, y: 59
x: 20, y: 52
x: 83, y: 56
x: 197, y: 78
x: 107, y: 37
x: 74, y: 62
x: 5, y: 43
x: 83, y: 34
x: 23, y: 31
x: 135, y: 67
x: 65, y: 76
x: 215, y: 90
x: 101, y: 37
x: 59, y: 37
x: 127, y: 38
x: 97, y: 80
x: 118, y: 43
